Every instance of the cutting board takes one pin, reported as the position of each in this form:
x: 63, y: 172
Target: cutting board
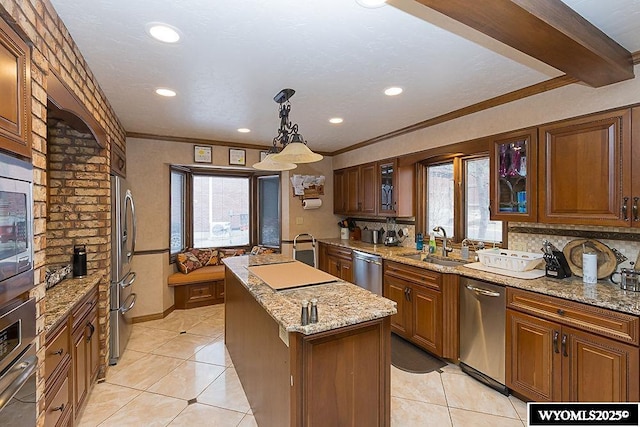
x: 290, y: 275
x: 531, y: 274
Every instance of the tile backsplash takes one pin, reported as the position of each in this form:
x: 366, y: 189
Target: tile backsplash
x: 529, y: 237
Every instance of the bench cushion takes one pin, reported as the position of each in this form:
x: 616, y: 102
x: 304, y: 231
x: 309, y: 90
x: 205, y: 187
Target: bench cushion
x: 205, y: 274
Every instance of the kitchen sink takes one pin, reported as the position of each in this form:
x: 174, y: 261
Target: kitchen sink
x: 447, y: 262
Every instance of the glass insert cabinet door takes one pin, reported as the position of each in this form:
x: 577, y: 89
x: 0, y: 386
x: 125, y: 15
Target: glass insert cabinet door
x: 387, y: 202
x: 513, y: 177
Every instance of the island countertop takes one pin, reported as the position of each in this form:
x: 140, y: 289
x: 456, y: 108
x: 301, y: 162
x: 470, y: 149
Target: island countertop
x: 340, y: 303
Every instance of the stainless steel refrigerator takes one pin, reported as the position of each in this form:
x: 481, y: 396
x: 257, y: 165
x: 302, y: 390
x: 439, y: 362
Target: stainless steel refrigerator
x: 123, y: 244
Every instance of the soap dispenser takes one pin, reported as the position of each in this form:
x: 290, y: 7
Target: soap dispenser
x: 432, y: 242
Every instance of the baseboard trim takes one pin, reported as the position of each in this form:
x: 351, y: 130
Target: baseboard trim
x: 156, y: 316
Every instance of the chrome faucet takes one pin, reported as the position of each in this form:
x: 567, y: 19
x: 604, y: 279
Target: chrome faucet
x: 445, y: 249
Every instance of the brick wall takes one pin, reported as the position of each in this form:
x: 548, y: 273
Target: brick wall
x: 53, y: 49
x: 79, y: 201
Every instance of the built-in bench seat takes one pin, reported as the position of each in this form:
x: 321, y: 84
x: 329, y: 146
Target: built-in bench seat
x: 204, y: 286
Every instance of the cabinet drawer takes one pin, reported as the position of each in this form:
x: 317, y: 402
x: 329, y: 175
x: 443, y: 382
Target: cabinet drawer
x: 201, y: 291
x: 420, y: 276
x: 59, y: 405
x: 220, y: 289
x: 339, y: 252
x: 57, y: 351
x: 620, y: 326
x: 82, y: 308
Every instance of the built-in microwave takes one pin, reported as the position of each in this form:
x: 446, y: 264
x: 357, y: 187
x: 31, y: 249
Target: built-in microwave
x: 16, y: 227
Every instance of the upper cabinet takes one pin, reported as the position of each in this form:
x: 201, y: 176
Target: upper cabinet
x: 374, y: 189
x: 15, y: 92
x: 514, y: 176
x: 585, y: 171
x: 396, y: 189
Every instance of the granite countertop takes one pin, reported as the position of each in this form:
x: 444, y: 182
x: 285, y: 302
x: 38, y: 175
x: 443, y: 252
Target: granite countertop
x: 62, y: 297
x: 603, y: 294
x: 340, y: 303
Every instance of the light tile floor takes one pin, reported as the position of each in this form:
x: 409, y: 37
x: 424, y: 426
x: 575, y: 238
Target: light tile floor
x: 177, y: 372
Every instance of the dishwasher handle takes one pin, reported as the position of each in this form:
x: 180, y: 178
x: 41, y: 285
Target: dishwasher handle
x: 482, y: 291
x: 359, y: 257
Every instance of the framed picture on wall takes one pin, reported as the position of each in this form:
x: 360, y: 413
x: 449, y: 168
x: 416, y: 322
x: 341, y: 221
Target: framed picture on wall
x: 202, y: 154
x: 263, y: 155
x: 237, y: 157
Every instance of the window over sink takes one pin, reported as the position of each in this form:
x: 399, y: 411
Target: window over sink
x: 456, y: 197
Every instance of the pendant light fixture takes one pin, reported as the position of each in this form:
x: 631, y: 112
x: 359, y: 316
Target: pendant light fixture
x: 294, y: 147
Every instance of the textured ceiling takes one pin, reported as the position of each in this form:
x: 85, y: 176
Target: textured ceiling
x: 235, y: 55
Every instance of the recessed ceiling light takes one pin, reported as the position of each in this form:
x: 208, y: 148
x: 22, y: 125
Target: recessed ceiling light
x: 165, y: 92
x: 393, y: 91
x: 371, y: 4
x: 244, y: 130
x: 336, y: 120
x: 163, y: 32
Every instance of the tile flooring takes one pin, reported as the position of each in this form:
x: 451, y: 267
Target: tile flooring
x: 177, y: 372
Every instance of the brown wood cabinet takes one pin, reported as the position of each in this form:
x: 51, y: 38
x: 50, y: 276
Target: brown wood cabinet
x: 396, y: 189
x: 15, y: 92
x: 563, y: 351
x: 417, y: 294
x: 514, y: 175
x: 585, y: 170
x: 338, y: 377
x: 72, y: 360
x: 58, y: 375
x: 374, y: 189
x: 199, y: 294
x: 336, y: 261
x: 86, y: 348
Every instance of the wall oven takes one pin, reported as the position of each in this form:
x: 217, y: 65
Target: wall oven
x: 16, y: 227
x: 18, y: 363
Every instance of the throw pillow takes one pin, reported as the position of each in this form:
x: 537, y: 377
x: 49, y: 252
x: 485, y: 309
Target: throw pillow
x: 187, y: 262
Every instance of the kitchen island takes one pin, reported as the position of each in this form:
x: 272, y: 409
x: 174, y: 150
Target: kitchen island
x: 333, y: 372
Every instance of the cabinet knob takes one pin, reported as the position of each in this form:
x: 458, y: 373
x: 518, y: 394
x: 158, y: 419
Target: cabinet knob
x: 58, y: 408
x: 561, y: 312
x: 57, y: 352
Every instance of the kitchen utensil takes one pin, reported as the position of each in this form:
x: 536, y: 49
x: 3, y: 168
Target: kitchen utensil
x: 629, y: 279
x: 606, y: 257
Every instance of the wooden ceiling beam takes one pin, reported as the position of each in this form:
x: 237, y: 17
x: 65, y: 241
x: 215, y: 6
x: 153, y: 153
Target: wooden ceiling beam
x: 547, y: 30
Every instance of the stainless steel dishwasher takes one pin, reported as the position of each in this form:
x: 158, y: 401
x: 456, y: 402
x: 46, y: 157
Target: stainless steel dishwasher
x: 482, y: 332
x: 367, y: 271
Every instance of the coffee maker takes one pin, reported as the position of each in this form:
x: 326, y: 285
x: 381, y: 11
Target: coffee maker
x: 391, y: 238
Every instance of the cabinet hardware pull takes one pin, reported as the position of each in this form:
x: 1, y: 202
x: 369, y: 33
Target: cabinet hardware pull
x: 92, y: 329
x: 409, y: 293
x: 625, y: 217
x: 564, y: 345
x: 561, y: 312
x: 406, y: 297
x: 635, y: 209
x: 58, y: 408
x: 555, y: 342
x: 57, y: 352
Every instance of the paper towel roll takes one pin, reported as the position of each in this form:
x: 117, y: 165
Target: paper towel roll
x: 311, y: 203
x: 589, y: 268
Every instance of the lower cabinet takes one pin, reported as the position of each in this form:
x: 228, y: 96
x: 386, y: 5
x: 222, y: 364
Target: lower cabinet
x: 72, y: 360
x: 551, y: 358
x: 336, y: 261
x: 417, y: 293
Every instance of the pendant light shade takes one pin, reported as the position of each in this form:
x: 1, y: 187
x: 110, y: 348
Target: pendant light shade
x: 268, y: 164
x: 297, y: 152
x: 294, y: 147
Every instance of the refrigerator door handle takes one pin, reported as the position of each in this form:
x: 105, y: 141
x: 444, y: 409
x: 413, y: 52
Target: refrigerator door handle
x: 126, y: 307
x: 132, y: 278
x: 128, y: 200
